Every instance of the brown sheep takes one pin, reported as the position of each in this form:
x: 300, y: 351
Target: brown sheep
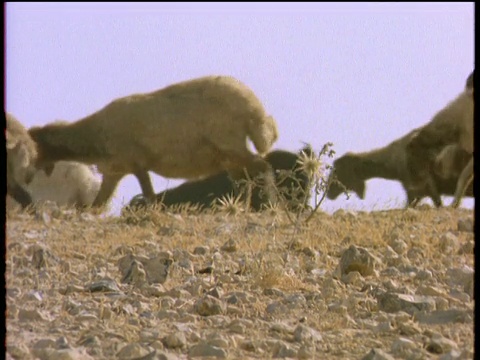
x: 21, y: 158
x: 388, y: 162
x: 451, y: 125
x: 189, y: 130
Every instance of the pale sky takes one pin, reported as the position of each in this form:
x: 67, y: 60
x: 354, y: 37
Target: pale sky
x: 359, y: 75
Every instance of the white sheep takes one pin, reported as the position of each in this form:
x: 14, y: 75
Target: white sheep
x: 451, y: 125
x: 188, y: 130
x: 70, y: 184
x: 21, y: 159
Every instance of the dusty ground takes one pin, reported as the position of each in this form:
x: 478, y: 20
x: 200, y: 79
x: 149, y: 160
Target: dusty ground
x: 251, y: 286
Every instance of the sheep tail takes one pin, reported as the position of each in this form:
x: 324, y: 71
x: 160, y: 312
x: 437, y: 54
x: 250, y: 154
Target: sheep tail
x: 263, y: 133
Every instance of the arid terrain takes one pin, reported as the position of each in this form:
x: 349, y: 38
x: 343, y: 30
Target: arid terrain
x: 393, y: 284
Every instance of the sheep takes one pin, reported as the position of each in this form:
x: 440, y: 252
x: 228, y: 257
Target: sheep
x: 292, y: 182
x: 189, y: 130
x: 70, y: 184
x: 21, y: 160
x: 451, y: 125
x: 388, y: 162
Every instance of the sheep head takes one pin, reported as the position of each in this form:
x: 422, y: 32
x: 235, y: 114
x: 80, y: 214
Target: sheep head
x: 20, y: 166
x: 345, y: 172
x: 47, y: 153
x: 21, y: 152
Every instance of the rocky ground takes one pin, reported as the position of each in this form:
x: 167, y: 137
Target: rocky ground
x: 394, y: 284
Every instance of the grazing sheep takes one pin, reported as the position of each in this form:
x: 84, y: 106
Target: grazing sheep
x: 186, y: 130
x: 21, y: 158
x: 291, y: 181
x: 70, y: 184
x: 388, y: 162
x: 451, y: 125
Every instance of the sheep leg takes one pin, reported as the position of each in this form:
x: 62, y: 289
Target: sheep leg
x: 108, y: 186
x: 463, y: 182
x: 20, y: 195
x: 412, y: 200
x: 146, y: 185
x: 433, y: 192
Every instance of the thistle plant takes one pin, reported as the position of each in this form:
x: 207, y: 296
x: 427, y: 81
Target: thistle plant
x: 230, y: 204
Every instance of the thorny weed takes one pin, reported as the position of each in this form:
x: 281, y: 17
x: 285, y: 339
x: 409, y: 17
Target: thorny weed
x: 230, y: 204
x: 314, y: 166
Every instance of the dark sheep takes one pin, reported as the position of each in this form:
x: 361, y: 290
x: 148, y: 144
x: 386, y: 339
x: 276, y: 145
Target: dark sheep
x: 292, y: 183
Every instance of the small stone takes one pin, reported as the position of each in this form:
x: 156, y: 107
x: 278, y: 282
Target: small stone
x: 132, y: 351
x: 273, y: 292
x: 304, y: 334
x: 104, y: 285
x: 383, y: 327
x: 283, y: 350
x: 403, y: 347
x: 448, y: 243
x: 467, y: 248
x: 460, y: 276
x: 205, y: 349
x: 135, y: 274
x: 443, y: 317
x: 30, y: 315
x: 32, y: 295
x: 216, y: 292
x: 62, y: 343
x: 175, y: 340
x: 69, y: 354
x: 465, y: 224
x: 229, y: 246
x: 356, y: 259
x: 393, y: 302
x: 309, y: 252
x: 353, y: 278
x: 208, y: 305
x: 218, y: 340
x: 18, y: 351
x: 440, y: 345
x: 399, y: 246
x: 275, y: 308
x: 201, y: 250
x: 378, y: 354
x: 424, y: 275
